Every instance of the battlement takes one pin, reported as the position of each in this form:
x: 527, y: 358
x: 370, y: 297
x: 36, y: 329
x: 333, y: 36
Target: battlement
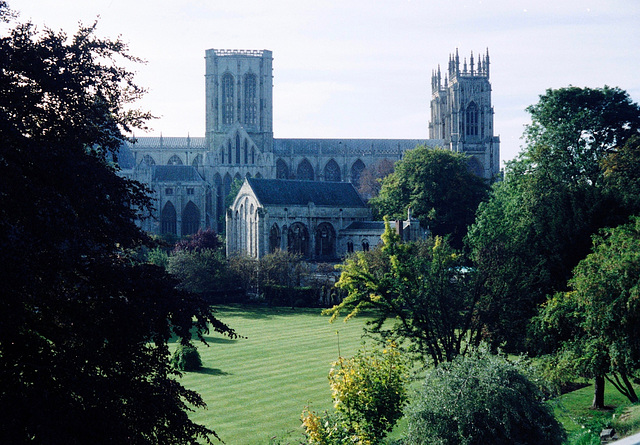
x: 241, y: 52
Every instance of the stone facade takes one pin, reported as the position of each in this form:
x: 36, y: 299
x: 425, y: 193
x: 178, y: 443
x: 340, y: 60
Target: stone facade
x: 239, y: 141
x: 321, y: 220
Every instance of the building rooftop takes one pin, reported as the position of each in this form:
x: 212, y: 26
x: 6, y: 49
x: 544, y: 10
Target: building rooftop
x: 301, y: 193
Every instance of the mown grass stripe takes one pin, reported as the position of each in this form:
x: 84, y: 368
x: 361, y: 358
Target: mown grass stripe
x: 257, y: 387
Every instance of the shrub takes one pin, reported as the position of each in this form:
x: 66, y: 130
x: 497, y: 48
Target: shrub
x: 186, y: 358
x: 369, y: 393
x: 481, y: 399
x: 158, y: 257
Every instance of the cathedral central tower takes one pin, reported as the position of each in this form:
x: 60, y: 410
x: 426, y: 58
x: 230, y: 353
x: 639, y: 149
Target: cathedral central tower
x: 239, y: 94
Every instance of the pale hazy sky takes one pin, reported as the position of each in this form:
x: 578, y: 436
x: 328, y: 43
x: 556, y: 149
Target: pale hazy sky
x: 362, y: 69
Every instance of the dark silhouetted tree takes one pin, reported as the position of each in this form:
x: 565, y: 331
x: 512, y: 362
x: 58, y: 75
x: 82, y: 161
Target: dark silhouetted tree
x: 85, y: 327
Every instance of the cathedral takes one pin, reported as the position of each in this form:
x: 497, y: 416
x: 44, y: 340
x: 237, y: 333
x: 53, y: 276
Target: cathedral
x: 191, y: 177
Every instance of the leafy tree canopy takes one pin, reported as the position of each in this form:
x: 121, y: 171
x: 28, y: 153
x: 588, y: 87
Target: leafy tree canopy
x: 418, y: 292
x: 85, y: 327
x: 538, y: 223
x: 573, y: 129
x: 481, y: 399
x: 597, y: 323
x: 438, y: 188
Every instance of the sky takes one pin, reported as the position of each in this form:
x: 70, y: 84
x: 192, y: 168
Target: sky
x: 362, y: 68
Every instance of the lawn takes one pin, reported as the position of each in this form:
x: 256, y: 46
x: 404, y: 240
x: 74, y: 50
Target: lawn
x: 256, y: 387
x: 574, y: 411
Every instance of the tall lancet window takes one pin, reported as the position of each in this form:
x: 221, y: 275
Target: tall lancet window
x: 227, y: 99
x: 250, y: 99
x: 473, y: 126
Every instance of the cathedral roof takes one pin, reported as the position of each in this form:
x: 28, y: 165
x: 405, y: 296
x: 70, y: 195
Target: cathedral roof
x: 182, y: 143
x: 350, y: 146
x: 292, y: 193
x: 369, y: 225
x: 169, y: 173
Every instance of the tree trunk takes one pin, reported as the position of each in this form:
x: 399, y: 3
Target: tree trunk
x: 598, y: 393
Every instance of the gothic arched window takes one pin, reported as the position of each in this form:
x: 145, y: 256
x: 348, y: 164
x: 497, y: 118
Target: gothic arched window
x: 227, y: 185
x: 356, y: 171
x: 174, y: 160
x: 305, y: 171
x: 168, y: 219
x: 148, y: 160
x: 197, y: 160
x: 332, y: 171
x: 246, y: 152
x: 190, y: 219
x: 253, y: 155
x: 274, y: 238
x: 282, y: 171
x: 250, y: 99
x: 325, y: 241
x: 229, y: 158
x: 237, y: 149
x: 298, y: 239
x: 227, y: 99
x: 472, y: 124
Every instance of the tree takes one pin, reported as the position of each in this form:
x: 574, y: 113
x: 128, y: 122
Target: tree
x: 597, y: 323
x: 438, y: 187
x: 203, y: 272
x: 573, y: 129
x: 201, y: 240
x: 481, y: 399
x: 418, y: 292
x: 85, y: 326
x: 538, y: 223
x: 372, y: 176
x: 622, y: 173
x: 369, y: 394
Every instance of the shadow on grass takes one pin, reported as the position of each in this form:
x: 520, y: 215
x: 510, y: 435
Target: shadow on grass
x: 210, y: 371
x: 262, y: 312
x: 219, y: 340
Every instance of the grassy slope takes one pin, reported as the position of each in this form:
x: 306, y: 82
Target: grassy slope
x: 575, y: 413
x: 257, y: 387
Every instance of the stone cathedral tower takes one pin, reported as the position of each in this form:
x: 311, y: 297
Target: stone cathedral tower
x: 239, y: 103
x: 462, y: 114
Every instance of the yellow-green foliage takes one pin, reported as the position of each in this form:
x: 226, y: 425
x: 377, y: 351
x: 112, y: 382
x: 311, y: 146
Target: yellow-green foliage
x: 369, y: 394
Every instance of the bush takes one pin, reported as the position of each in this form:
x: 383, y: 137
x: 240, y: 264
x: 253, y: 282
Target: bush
x: 479, y: 400
x: 186, y: 358
x: 369, y: 394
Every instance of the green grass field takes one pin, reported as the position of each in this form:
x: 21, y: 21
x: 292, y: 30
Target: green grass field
x: 574, y: 411
x: 256, y: 388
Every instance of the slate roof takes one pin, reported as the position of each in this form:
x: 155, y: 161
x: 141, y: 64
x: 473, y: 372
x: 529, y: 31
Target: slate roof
x: 368, y: 225
x: 283, y: 147
x: 321, y: 193
x: 357, y: 147
x: 182, y: 143
x: 169, y: 173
